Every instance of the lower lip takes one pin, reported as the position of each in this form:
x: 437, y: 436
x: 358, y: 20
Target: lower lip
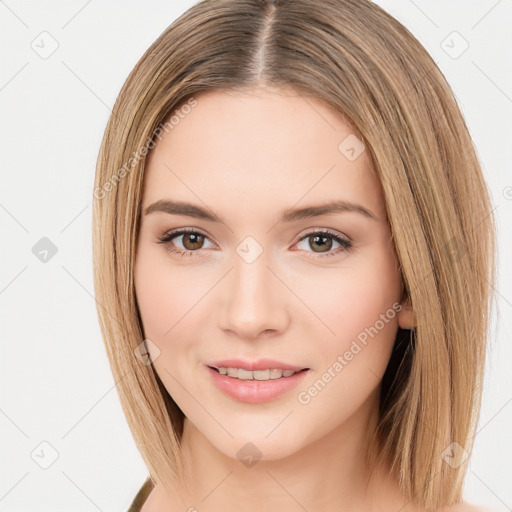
x: 255, y: 391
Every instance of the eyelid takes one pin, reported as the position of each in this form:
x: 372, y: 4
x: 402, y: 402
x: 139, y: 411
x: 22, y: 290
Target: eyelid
x: 345, y: 242
x: 167, y: 235
x: 309, y: 231
x: 332, y: 232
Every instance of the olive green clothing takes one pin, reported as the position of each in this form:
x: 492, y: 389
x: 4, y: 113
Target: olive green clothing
x: 141, y: 496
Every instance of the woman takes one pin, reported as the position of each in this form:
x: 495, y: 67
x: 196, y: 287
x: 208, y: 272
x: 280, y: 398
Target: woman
x: 293, y: 250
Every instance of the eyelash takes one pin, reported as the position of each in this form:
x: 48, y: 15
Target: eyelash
x: 346, y: 245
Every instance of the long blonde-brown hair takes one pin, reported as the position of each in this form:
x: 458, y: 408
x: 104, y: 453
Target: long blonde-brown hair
x: 368, y: 67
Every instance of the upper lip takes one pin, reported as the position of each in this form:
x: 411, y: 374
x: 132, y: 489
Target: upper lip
x: 260, y: 364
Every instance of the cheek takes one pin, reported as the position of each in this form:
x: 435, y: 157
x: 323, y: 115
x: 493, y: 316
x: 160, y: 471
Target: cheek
x: 361, y: 309
x: 166, y: 297
x: 358, y: 307
x: 164, y: 294
x: 155, y: 300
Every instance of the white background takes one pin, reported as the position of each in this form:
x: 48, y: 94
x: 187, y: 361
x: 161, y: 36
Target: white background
x: 56, y: 382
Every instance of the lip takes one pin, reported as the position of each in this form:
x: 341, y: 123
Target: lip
x: 260, y: 364
x: 255, y: 391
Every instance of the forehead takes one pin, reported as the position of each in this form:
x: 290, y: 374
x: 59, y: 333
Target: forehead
x: 261, y: 147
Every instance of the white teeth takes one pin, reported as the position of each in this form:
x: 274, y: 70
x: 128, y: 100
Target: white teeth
x: 271, y: 373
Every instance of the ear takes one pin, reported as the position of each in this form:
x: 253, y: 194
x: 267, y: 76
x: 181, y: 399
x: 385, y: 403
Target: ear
x: 405, y: 316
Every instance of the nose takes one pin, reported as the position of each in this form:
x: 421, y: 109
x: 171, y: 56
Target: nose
x: 255, y: 302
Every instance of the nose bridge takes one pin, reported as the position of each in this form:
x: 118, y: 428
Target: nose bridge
x: 254, y: 299
x: 252, y: 278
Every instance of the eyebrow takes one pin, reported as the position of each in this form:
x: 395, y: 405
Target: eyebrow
x: 289, y: 215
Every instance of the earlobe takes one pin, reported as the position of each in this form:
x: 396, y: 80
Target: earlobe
x: 405, y: 316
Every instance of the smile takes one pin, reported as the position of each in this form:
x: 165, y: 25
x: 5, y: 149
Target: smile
x: 269, y: 374
x: 255, y: 386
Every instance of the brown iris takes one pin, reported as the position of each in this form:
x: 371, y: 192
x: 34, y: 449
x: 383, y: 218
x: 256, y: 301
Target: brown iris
x: 321, y: 241
x: 192, y: 241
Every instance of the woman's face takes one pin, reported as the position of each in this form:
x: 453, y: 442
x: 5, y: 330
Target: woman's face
x: 258, y: 277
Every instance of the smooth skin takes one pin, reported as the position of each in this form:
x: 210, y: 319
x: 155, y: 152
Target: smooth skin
x: 248, y: 156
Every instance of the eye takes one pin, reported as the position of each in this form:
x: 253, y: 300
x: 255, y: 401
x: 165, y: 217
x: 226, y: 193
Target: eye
x: 192, y: 240
x: 324, y: 240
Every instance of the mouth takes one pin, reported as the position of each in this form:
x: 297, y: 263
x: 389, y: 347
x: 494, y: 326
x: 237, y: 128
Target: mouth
x: 255, y: 382
x: 261, y: 375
